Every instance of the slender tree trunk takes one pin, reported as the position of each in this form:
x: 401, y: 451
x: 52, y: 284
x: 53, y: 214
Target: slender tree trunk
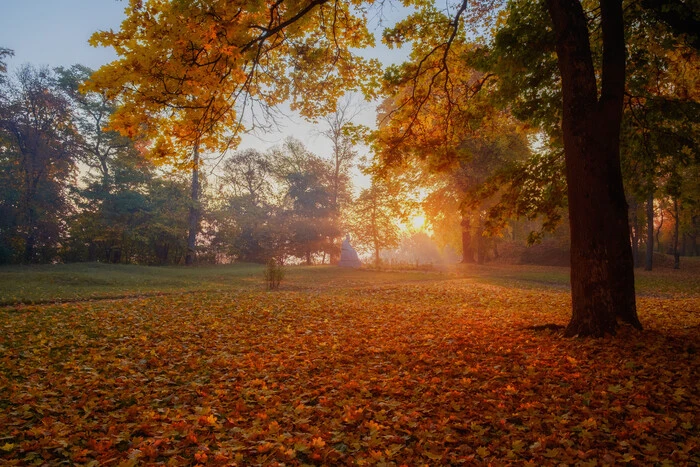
x: 602, y: 272
x: 31, y: 181
x: 375, y: 226
x: 634, y: 232
x: 480, y: 246
x: 684, y: 244
x: 650, y: 233
x: 658, y: 232
x: 676, y: 231
x: 694, y: 241
x: 194, y: 214
x: 467, y: 248
x: 30, y: 239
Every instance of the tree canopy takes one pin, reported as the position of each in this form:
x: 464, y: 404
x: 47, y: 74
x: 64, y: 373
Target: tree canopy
x: 189, y: 70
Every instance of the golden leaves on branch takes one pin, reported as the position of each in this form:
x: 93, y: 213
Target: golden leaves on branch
x: 188, y: 72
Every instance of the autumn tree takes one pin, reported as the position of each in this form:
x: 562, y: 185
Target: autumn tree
x: 376, y: 212
x: 246, y: 218
x: 662, y: 112
x: 189, y: 71
x: 343, y: 136
x: 602, y: 270
x: 444, y: 125
x: 38, y: 155
x: 306, y: 182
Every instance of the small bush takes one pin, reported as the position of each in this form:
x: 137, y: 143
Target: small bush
x: 274, y: 273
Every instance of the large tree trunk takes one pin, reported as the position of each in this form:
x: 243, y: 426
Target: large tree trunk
x: 650, y: 233
x: 602, y: 272
x: 194, y: 214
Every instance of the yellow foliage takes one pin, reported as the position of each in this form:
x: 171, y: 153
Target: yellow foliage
x: 189, y: 71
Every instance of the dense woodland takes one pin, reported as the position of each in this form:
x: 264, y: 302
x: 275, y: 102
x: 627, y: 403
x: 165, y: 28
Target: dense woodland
x: 121, y: 165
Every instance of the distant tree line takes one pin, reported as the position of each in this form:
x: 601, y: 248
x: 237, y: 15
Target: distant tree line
x: 71, y: 190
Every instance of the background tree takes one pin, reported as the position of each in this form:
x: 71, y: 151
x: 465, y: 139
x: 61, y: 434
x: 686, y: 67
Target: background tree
x: 39, y: 154
x: 4, y: 53
x: 132, y: 221
x: 457, y: 138
x: 662, y: 108
x: 120, y: 217
x: 376, y: 213
x: 343, y: 135
x: 246, y: 221
x: 91, y: 113
x: 306, y: 181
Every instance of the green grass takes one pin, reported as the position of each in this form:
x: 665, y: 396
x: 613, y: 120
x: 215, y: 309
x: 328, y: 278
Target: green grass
x: 68, y: 282
x: 662, y: 281
x: 89, y: 281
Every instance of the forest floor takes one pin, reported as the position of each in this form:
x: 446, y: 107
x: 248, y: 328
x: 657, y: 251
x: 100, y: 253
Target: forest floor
x: 127, y: 365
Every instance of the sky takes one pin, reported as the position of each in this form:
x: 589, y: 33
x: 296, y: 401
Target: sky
x: 56, y: 32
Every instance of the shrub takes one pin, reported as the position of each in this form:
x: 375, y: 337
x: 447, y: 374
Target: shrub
x: 274, y: 273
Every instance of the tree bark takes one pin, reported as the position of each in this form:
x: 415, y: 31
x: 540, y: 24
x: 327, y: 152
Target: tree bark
x: 602, y: 272
x: 650, y: 233
x: 658, y: 232
x: 194, y: 214
x: 676, y: 231
x: 467, y: 248
x: 634, y: 231
x: 480, y: 246
x: 30, y: 238
x: 374, y: 221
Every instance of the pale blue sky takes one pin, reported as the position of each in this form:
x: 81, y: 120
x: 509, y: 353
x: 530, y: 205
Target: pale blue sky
x: 55, y: 33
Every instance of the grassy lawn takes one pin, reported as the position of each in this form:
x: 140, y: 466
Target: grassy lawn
x: 89, y: 281
x: 38, y: 284
x: 75, y: 282
x: 339, y: 367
